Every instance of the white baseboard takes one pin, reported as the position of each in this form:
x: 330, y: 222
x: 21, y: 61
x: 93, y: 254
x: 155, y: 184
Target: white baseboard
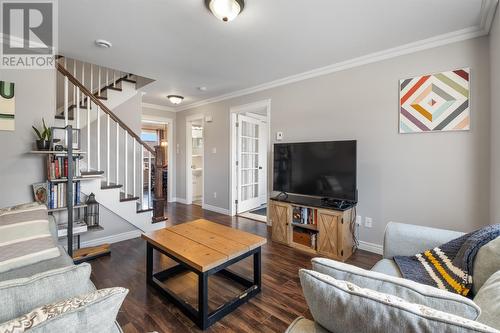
x: 217, y: 209
x: 371, y: 247
x: 180, y: 200
x: 113, y: 238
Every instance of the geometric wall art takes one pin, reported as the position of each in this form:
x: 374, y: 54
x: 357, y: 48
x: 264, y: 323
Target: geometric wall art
x: 7, y: 106
x: 434, y: 103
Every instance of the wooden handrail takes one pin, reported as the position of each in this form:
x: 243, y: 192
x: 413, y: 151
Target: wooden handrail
x: 103, y: 107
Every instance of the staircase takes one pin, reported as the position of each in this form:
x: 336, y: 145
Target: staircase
x: 87, y: 94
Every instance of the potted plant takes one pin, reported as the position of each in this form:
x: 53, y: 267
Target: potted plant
x: 43, y: 137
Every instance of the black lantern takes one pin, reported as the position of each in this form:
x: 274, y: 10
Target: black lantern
x: 92, y: 211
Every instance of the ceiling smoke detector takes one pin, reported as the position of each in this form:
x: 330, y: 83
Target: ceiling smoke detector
x: 103, y: 43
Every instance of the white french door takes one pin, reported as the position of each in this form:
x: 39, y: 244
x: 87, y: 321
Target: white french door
x: 249, y: 163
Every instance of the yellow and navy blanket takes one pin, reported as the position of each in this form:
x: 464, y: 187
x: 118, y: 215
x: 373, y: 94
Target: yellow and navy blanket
x: 449, y: 266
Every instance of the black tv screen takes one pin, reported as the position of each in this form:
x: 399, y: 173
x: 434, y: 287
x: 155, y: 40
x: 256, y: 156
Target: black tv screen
x: 322, y: 169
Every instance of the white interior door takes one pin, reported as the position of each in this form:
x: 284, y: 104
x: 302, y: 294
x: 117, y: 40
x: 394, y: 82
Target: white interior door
x: 249, y: 163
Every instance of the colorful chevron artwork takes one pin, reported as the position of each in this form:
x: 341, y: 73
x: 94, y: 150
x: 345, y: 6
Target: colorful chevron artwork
x: 437, y: 102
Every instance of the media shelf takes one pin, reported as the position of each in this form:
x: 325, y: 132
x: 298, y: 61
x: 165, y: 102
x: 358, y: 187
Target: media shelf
x: 308, y: 225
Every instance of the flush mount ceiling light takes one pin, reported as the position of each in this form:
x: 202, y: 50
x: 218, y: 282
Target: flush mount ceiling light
x: 175, y: 99
x: 103, y: 43
x: 225, y: 10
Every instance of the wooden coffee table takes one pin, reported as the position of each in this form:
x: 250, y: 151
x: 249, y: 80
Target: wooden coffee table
x: 205, y: 248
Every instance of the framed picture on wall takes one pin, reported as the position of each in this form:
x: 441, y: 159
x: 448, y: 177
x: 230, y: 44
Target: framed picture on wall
x: 435, y: 102
x: 40, y: 192
x: 7, y: 106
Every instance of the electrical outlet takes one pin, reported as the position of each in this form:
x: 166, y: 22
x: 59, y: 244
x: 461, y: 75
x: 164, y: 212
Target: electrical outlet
x: 215, y: 194
x: 368, y: 222
x: 359, y: 220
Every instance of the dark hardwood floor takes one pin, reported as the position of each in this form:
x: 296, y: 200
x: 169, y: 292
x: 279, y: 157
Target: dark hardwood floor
x: 144, y: 309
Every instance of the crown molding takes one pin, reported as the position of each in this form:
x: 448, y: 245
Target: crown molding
x: 487, y: 14
x: 488, y: 9
x: 158, y: 107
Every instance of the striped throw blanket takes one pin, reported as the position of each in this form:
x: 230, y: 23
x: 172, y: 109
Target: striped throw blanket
x: 449, y: 266
x: 25, y: 236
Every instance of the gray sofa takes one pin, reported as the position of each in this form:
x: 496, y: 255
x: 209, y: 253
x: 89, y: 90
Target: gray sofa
x: 64, y: 260
x: 407, y: 240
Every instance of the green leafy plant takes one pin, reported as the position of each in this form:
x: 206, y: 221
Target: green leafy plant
x: 45, y: 133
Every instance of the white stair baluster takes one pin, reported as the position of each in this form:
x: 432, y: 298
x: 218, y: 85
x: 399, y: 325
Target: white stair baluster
x: 83, y: 81
x: 149, y: 179
x: 114, y: 78
x: 88, y: 134
x: 126, y: 164
x: 74, y: 86
x: 77, y: 115
x: 99, y: 82
x: 141, y: 188
x: 117, y: 153
x: 107, y: 77
x: 66, y: 106
x: 108, y: 166
x: 134, y: 170
x: 91, y: 79
x: 98, y: 139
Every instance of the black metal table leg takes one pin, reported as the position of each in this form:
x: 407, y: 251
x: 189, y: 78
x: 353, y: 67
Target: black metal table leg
x: 257, y: 280
x: 149, y: 263
x: 203, y: 300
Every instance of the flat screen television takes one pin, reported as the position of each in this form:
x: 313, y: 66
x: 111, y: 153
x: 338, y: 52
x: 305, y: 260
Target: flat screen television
x: 321, y: 169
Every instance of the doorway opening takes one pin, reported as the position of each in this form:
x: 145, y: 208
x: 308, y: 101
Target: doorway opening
x: 158, y: 132
x: 250, y: 151
x: 195, y: 153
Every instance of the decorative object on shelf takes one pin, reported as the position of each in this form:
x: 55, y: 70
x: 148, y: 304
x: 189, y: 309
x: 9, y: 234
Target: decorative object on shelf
x: 58, y: 147
x: 7, y: 106
x: 40, y: 192
x: 92, y: 211
x: 59, y: 133
x: 435, y: 103
x: 225, y: 10
x: 44, y: 137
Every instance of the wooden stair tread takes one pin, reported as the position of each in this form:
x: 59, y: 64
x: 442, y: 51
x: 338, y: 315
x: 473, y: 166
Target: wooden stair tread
x: 104, y: 98
x: 114, y: 88
x: 129, y: 80
x: 127, y: 197
x: 105, y: 186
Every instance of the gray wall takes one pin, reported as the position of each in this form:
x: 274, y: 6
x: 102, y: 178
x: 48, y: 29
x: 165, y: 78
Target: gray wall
x: 495, y: 120
x: 435, y: 179
x: 35, y: 98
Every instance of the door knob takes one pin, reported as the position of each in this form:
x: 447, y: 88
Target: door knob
x: 260, y: 168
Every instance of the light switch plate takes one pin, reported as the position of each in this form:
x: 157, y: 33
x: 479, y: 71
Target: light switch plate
x: 279, y: 136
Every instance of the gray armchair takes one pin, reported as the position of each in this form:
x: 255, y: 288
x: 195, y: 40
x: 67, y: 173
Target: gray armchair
x: 406, y: 240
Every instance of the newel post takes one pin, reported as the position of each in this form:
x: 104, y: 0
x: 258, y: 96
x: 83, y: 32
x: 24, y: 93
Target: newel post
x: 159, y: 199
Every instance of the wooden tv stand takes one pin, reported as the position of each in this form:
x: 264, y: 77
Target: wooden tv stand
x: 331, y: 227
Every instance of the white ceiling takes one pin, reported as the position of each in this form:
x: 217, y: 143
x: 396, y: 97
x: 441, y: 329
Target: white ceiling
x: 182, y: 46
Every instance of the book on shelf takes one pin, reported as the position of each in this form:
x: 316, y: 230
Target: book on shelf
x: 78, y: 228
x: 57, y: 167
x: 304, y: 215
x: 58, y: 192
